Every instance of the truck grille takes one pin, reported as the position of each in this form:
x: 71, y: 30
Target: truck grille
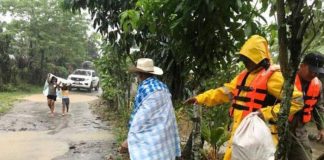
x: 77, y: 79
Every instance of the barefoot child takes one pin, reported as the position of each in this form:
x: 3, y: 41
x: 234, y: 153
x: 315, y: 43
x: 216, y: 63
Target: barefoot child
x: 51, y: 95
x: 65, y: 98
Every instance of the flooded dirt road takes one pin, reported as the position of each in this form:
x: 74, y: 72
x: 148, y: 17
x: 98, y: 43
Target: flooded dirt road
x: 28, y: 132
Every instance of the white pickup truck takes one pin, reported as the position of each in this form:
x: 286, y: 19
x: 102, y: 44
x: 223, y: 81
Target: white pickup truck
x: 84, y: 78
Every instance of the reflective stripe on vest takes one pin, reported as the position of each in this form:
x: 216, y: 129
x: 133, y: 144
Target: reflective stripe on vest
x: 310, y: 97
x: 256, y: 91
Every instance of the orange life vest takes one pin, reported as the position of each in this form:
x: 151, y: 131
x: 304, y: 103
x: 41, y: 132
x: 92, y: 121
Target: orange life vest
x: 257, y: 95
x: 310, y: 97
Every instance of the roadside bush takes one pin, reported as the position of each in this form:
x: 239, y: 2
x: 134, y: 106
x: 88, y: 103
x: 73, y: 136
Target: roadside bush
x: 8, y: 88
x: 20, y: 87
x: 61, y: 71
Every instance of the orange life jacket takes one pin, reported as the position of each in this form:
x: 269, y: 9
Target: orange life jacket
x: 310, y: 97
x: 257, y: 95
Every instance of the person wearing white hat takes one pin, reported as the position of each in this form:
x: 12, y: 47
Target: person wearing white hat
x: 153, y: 131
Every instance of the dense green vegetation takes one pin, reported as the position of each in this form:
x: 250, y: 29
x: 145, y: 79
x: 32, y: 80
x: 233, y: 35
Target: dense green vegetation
x: 41, y: 38
x: 195, y: 43
x: 14, y: 92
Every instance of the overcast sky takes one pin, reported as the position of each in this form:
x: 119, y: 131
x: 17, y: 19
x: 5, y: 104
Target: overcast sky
x: 5, y: 18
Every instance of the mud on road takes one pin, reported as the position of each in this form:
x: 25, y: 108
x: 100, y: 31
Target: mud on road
x: 28, y: 131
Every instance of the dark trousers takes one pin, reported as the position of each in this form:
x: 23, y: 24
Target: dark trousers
x: 300, y: 148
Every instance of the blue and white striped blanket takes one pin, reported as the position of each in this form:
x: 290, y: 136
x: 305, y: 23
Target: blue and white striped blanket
x: 153, y: 132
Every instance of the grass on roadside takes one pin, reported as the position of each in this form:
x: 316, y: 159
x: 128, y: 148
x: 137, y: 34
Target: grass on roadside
x: 13, y: 93
x: 117, y: 119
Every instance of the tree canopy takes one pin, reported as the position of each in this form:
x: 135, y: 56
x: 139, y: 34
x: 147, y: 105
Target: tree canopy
x: 44, y: 38
x: 195, y: 42
x: 183, y: 37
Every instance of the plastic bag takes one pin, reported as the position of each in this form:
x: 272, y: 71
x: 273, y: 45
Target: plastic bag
x: 253, y: 140
x: 45, y: 88
x: 59, y: 93
x: 60, y: 81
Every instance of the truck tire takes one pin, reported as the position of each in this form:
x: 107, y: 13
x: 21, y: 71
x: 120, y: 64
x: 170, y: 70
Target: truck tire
x: 97, y: 87
x: 90, y: 88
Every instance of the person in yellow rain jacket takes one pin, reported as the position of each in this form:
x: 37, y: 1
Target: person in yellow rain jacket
x: 257, y: 88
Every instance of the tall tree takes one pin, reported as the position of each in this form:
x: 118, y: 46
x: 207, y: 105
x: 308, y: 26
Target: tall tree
x: 193, y: 41
x: 49, y: 38
x: 181, y: 36
x: 5, y: 40
x: 294, y: 18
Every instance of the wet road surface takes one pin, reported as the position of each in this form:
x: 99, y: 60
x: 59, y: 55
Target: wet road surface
x: 28, y: 131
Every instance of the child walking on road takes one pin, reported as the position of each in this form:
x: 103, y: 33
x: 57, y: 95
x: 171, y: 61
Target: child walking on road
x: 65, y: 99
x: 51, y: 95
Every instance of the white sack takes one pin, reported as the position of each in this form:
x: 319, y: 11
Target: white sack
x: 252, y: 140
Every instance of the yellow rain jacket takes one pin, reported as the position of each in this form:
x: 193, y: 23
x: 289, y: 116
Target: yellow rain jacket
x: 256, y: 49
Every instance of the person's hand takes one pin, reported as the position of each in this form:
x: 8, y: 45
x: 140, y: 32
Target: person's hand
x: 320, y: 135
x: 191, y: 100
x: 259, y: 113
x: 123, y: 147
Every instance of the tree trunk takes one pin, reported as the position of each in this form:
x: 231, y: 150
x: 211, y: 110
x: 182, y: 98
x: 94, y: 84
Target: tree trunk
x: 289, y: 62
x: 129, y: 85
x: 192, y: 150
x: 187, y: 151
x: 282, y: 36
x: 177, y: 83
x: 40, y: 78
x: 283, y: 125
x: 1, y: 82
x: 283, y: 60
x: 196, y: 134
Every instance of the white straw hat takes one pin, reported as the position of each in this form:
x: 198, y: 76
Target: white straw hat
x: 146, y: 65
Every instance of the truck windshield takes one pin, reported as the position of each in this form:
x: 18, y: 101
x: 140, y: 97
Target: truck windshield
x: 84, y: 73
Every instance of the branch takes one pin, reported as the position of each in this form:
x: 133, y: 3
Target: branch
x: 251, y: 14
x: 255, y: 5
x: 127, y: 53
x: 131, y: 58
x: 313, y: 37
x: 282, y: 37
x: 300, y: 6
x: 304, y: 26
x: 312, y: 5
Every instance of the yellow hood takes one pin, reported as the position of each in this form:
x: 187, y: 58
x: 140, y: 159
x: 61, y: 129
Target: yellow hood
x: 256, y: 49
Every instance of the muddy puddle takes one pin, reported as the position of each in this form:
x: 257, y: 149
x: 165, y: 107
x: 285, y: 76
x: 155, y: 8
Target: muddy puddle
x: 30, y: 145
x: 42, y: 145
